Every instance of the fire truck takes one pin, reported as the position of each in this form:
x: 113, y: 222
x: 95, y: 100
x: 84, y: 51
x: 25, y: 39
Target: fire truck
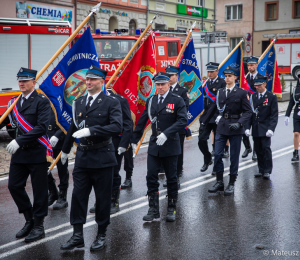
x: 112, y: 47
x: 288, y: 53
x: 28, y: 43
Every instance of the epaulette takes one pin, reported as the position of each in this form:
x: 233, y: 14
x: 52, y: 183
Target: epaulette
x: 78, y: 98
x: 14, y: 97
x: 41, y: 95
x: 111, y: 97
x: 175, y: 95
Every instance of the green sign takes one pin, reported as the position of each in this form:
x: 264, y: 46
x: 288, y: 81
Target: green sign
x: 190, y: 10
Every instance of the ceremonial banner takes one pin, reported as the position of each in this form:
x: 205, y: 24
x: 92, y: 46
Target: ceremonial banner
x: 191, y: 80
x: 268, y: 67
x: 67, y: 81
x: 135, y: 83
x: 235, y: 60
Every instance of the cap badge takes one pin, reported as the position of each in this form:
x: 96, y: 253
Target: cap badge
x: 21, y: 70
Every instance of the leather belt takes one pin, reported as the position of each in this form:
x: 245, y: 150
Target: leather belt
x: 158, y: 133
x: 228, y: 116
x: 88, y: 147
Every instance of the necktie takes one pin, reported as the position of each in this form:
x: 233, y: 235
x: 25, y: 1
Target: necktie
x: 251, y: 77
x: 261, y: 95
x: 160, y: 102
x: 228, y: 92
x: 171, y: 89
x: 89, y: 103
x: 23, y: 100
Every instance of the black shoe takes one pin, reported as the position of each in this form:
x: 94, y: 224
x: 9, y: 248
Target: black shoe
x: 226, y: 154
x: 219, y: 186
x: 53, y: 192
x: 28, y: 225
x: 229, y: 189
x: 246, y: 152
x: 179, y: 173
x: 153, y: 211
x: 162, y: 170
x: 165, y: 184
x: 205, y: 166
x: 258, y: 174
x: 295, y: 156
x: 76, y: 240
x: 62, y: 202
x: 213, y: 151
x: 115, y: 197
x: 100, y: 241
x: 37, y: 232
x: 266, y: 175
x: 93, y: 209
x: 254, y: 156
x: 127, y: 184
x: 171, y: 214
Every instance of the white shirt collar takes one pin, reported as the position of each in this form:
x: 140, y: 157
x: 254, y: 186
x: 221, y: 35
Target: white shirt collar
x: 230, y: 88
x: 259, y: 94
x: 212, y: 81
x: 164, y: 95
x: 253, y: 75
x: 173, y: 86
x: 28, y: 94
x: 94, y: 96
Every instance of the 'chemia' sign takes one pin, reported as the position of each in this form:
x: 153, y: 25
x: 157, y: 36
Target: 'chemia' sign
x: 191, y: 10
x: 33, y: 11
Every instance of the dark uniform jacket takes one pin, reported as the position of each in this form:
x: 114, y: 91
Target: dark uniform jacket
x: 251, y: 82
x: 36, y: 111
x: 104, y: 120
x: 183, y: 92
x: 54, y: 130
x: 267, y: 114
x: 213, y: 88
x: 169, y: 122
x: 123, y: 140
x: 292, y: 103
x: 237, y: 104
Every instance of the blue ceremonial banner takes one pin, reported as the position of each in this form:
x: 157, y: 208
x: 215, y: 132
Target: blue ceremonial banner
x: 235, y: 60
x: 190, y: 78
x: 67, y: 81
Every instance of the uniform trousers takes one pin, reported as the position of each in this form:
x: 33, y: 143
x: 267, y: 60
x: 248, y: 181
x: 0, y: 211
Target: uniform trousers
x: 18, y: 175
x: 180, y: 156
x: 117, y: 177
x: 128, y: 162
x: 202, y: 141
x: 235, y: 147
x: 246, y: 141
x: 170, y: 166
x: 63, y: 172
x: 84, y: 179
x: 262, y: 147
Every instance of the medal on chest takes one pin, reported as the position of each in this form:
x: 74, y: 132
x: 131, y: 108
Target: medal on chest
x: 170, y: 108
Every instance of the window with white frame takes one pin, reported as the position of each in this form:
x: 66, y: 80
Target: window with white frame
x: 160, y: 7
x: 201, y: 3
x: 234, y: 12
x: 235, y: 41
x: 181, y: 1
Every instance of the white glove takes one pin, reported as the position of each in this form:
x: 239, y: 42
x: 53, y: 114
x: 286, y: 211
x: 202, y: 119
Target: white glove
x: 247, y: 132
x: 63, y: 158
x: 286, y: 120
x: 161, y: 139
x: 53, y: 141
x: 121, y: 150
x: 85, y: 132
x: 269, y: 133
x: 218, y: 119
x: 12, y: 147
x: 133, y: 148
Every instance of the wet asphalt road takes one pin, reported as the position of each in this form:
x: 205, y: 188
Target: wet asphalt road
x: 261, y: 220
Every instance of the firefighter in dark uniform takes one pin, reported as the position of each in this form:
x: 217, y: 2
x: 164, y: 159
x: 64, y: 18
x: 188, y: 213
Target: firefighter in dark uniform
x: 264, y: 121
x: 121, y: 142
x: 98, y: 117
x: 213, y: 84
x: 29, y: 156
x: 57, y: 137
x: 235, y: 111
x: 168, y: 115
x: 295, y: 101
x: 173, y: 71
x: 252, y: 63
x: 128, y: 168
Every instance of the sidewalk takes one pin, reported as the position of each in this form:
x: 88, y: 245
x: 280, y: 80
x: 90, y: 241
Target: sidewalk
x: 5, y: 139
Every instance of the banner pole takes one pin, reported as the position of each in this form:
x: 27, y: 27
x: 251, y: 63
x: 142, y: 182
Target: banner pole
x: 175, y: 64
x: 94, y: 10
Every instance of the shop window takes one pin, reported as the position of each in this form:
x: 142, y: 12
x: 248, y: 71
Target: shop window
x: 234, y: 12
x: 132, y: 27
x: 113, y: 23
x: 172, y: 49
x: 296, y: 9
x: 271, y: 10
x: 181, y: 1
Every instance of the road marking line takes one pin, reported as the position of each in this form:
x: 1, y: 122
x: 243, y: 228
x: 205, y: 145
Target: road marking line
x: 25, y: 247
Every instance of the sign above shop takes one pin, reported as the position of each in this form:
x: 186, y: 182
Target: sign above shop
x: 190, y: 10
x: 107, y: 11
x: 33, y: 11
